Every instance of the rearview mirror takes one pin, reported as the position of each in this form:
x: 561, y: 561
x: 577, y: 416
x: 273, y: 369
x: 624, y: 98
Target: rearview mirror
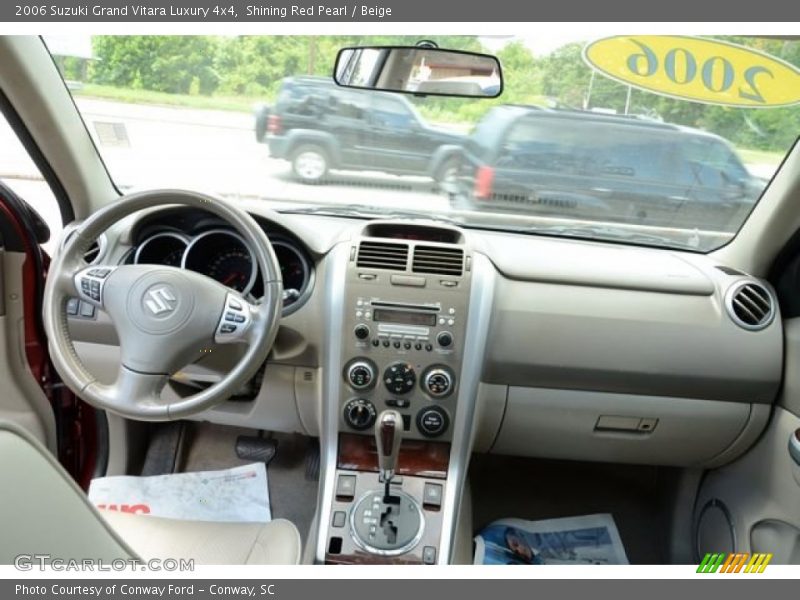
x: 419, y: 70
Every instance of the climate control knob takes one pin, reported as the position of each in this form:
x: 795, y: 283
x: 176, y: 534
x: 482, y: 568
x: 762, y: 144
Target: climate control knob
x: 438, y: 381
x: 360, y: 374
x: 359, y: 414
x: 399, y: 378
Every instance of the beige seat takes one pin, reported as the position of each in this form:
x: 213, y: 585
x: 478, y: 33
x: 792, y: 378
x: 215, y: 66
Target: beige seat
x: 43, y: 511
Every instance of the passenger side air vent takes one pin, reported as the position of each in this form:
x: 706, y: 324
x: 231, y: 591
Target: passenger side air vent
x: 382, y: 255
x: 440, y: 261
x: 750, y: 305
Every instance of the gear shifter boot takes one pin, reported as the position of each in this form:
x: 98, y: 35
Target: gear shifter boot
x: 387, y: 526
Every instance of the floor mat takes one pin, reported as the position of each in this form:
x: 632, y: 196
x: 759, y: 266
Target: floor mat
x: 293, y: 496
x: 584, y: 540
x: 639, y: 497
x: 240, y: 494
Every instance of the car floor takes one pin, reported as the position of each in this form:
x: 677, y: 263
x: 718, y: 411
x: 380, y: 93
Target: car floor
x: 638, y: 497
x: 208, y: 447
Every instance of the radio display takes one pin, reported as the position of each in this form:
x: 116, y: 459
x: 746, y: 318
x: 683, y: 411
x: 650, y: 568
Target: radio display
x: 403, y: 316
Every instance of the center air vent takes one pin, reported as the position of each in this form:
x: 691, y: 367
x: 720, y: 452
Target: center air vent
x: 440, y: 261
x: 750, y: 305
x: 382, y: 255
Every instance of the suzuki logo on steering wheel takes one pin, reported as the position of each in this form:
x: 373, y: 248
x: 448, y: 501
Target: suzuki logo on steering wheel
x: 160, y: 300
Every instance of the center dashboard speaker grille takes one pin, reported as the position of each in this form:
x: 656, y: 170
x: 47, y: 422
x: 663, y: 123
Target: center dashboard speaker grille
x: 382, y: 255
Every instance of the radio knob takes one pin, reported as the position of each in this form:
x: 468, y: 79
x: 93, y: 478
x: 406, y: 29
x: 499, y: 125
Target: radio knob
x: 400, y: 378
x: 444, y: 339
x: 361, y: 331
x: 432, y: 421
x: 359, y: 414
x: 438, y: 381
x: 360, y: 374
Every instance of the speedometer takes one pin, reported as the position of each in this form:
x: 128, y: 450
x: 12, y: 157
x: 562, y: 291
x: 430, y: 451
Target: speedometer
x: 232, y: 268
x: 225, y: 257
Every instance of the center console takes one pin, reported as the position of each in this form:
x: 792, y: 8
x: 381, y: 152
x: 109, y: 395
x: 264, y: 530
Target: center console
x: 399, y: 377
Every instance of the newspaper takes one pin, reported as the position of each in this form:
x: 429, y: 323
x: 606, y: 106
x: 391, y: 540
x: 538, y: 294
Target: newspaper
x: 585, y: 540
x: 238, y: 494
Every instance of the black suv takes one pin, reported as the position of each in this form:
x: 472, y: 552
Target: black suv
x: 319, y: 126
x: 591, y: 165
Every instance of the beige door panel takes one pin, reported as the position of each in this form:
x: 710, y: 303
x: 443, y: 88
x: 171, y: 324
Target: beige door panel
x: 753, y: 504
x: 22, y: 400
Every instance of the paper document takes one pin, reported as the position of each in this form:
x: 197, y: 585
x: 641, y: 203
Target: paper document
x: 238, y: 494
x: 586, y: 540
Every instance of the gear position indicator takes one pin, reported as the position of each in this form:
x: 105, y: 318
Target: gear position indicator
x: 387, y: 525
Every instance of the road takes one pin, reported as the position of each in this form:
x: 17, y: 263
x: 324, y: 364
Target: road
x: 147, y: 146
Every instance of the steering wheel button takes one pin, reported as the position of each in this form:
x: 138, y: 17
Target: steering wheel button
x: 227, y: 328
x: 234, y: 304
x: 72, y: 306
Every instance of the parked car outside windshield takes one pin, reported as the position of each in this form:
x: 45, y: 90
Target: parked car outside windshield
x: 566, y: 150
x: 605, y: 167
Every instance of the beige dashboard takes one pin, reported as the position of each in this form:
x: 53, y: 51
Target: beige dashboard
x: 595, y: 351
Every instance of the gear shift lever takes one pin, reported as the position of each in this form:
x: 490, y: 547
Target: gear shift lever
x: 388, y: 435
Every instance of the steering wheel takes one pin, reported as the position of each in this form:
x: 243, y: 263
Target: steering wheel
x: 164, y: 316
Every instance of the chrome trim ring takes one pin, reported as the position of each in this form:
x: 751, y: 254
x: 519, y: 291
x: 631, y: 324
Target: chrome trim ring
x: 147, y: 240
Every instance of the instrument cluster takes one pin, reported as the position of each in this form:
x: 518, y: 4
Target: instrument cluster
x: 223, y: 255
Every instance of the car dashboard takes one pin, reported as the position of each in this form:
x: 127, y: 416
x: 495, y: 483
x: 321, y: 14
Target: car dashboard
x: 507, y: 343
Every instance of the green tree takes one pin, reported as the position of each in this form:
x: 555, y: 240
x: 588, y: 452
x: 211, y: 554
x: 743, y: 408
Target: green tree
x: 173, y: 64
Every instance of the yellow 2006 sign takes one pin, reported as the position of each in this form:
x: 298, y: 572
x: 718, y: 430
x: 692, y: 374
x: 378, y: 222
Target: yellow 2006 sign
x: 698, y: 69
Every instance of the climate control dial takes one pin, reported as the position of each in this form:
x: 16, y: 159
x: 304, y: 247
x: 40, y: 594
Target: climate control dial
x: 360, y: 374
x: 438, y: 381
x: 359, y: 414
x: 399, y: 378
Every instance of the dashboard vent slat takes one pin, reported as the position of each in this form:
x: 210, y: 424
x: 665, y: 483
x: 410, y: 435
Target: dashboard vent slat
x: 438, y: 261
x: 92, y: 253
x: 382, y: 255
x: 750, y: 305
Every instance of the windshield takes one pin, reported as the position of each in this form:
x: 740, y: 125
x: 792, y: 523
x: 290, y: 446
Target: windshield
x: 653, y: 140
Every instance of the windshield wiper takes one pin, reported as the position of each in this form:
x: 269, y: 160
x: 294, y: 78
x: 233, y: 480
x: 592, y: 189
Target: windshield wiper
x: 363, y: 211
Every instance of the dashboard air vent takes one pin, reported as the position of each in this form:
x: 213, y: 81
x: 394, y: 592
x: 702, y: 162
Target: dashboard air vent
x: 750, y: 305
x: 382, y: 255
x: 92, y: 253
x: 95, y: 250
x: 440, y: 261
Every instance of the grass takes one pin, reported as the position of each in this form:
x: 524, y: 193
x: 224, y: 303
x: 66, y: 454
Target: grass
x: 760, y: 156
x: 228, y: 103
